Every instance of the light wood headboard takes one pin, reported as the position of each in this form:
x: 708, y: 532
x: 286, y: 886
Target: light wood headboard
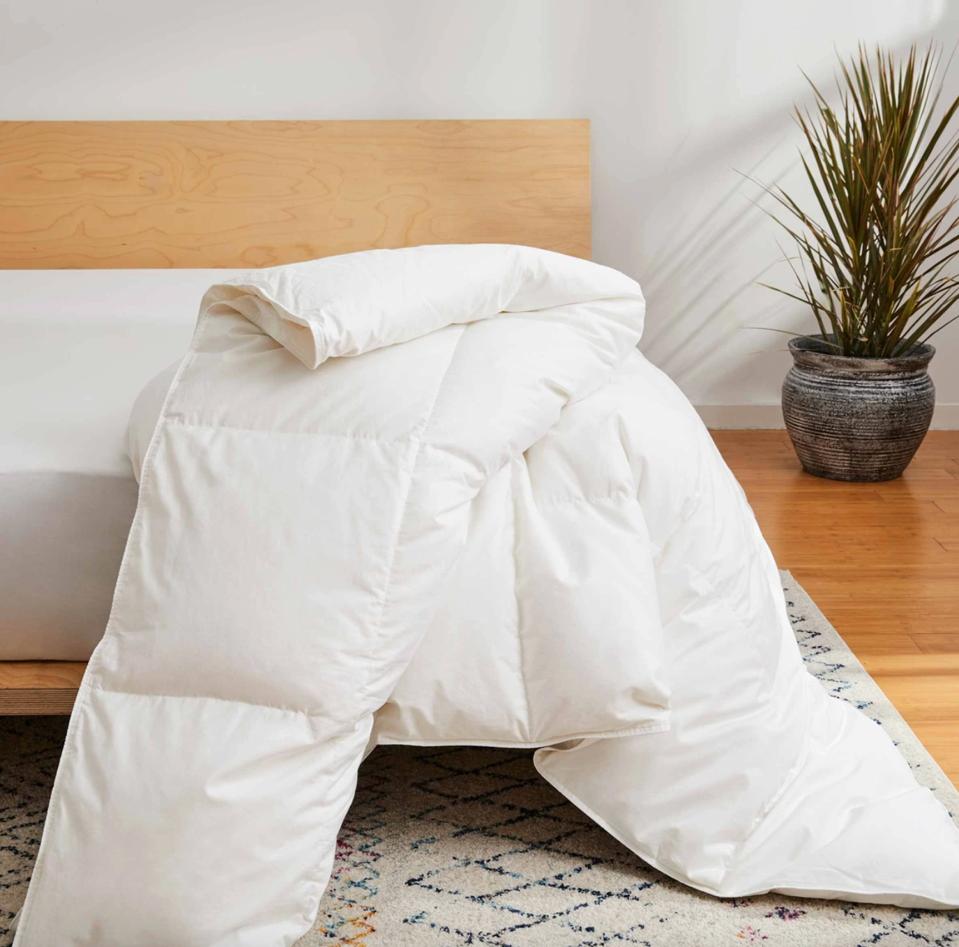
x: 239, y: 194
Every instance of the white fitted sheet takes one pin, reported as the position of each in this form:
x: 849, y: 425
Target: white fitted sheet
x: 76, y: 346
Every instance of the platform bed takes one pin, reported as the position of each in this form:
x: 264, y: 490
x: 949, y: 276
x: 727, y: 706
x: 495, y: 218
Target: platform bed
x: 80, y: 195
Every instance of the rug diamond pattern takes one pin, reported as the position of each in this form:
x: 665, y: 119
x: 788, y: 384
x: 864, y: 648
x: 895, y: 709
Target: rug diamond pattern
x: 451, y: 846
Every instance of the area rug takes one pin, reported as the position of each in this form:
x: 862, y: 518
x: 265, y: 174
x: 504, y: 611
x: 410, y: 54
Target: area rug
x: 464, y: 846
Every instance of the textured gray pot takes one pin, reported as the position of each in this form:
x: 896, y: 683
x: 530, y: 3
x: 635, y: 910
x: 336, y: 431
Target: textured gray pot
x: 856, y: 418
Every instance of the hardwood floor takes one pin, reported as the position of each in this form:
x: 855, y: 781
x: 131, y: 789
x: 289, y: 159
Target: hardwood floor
x: 880, y: 560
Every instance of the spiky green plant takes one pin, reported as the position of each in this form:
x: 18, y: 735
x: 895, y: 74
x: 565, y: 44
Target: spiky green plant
x: 875, y: 266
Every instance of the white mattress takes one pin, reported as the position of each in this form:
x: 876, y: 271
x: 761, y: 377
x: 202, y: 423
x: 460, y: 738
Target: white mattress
x: 76, y: 346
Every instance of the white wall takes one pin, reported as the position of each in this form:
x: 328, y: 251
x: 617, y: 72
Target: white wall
x: 683, y: 95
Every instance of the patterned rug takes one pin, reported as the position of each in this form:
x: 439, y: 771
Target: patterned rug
x: 463, y: 846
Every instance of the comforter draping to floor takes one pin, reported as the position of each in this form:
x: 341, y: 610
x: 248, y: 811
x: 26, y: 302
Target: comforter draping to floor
x: 437, y: 496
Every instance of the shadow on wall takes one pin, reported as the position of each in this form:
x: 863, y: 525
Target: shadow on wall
x: 691, y: 225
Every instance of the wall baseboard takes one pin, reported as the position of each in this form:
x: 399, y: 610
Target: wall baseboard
x: 746, y: 416
x: 740, y: 416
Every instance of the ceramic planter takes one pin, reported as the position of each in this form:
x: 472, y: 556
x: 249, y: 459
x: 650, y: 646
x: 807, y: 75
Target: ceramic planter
x: 856, y: 418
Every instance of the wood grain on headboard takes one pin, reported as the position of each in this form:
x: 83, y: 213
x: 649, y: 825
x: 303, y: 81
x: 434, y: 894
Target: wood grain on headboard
x: 252, y: 193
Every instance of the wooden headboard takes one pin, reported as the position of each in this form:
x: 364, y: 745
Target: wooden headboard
x: 251, y: 193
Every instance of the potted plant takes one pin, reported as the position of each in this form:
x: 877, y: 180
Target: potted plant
x: 873, y: 265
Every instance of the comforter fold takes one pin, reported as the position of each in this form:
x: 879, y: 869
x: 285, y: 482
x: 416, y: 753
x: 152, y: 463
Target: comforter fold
x: 436, y: 495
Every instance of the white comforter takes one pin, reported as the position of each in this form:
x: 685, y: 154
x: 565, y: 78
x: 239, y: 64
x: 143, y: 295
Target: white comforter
x: 496, y: 524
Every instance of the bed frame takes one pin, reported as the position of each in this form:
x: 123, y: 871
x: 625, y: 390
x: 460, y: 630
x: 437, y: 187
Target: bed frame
x: 83, y: 195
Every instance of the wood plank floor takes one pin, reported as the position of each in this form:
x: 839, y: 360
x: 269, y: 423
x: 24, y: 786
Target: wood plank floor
x: 880, y: 560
